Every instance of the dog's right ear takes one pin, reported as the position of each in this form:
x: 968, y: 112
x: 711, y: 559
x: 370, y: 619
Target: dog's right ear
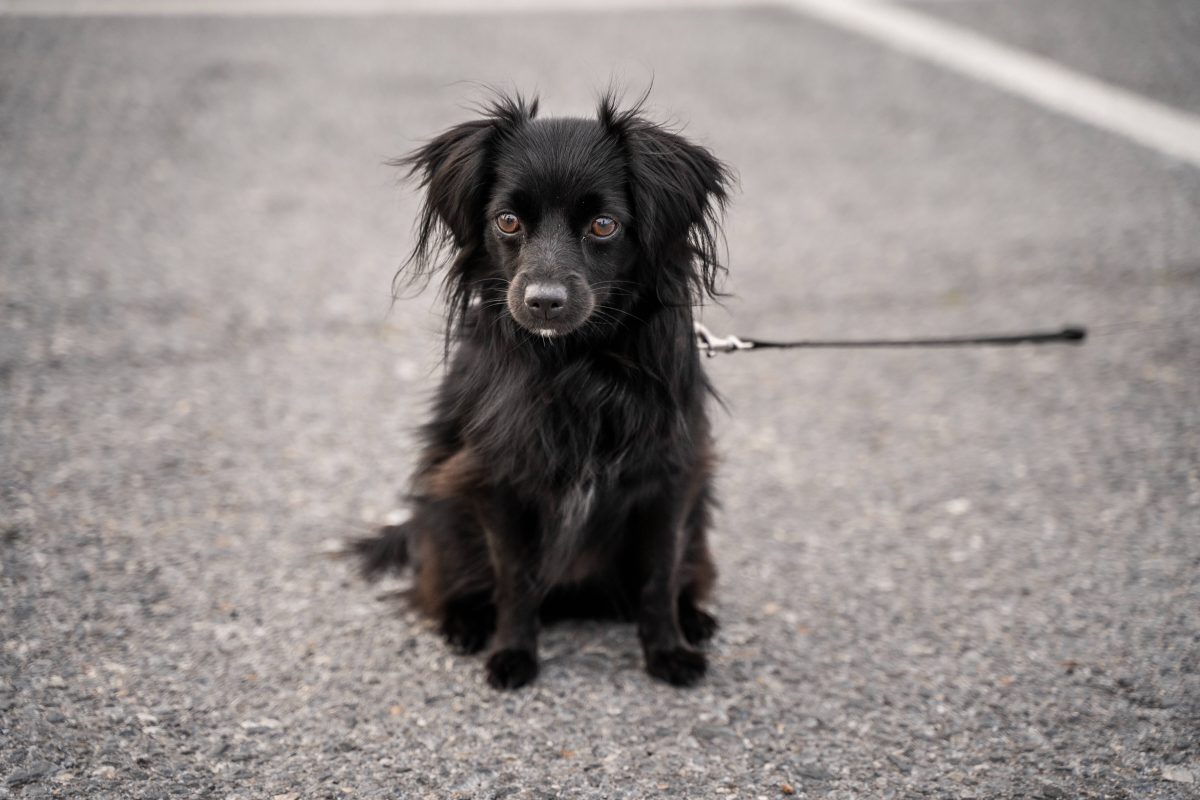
x: 454, y: 169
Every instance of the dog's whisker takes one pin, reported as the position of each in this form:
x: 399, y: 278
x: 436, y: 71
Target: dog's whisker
x: 603, y: 315
x: 492, y: 279
x: 614, y: 309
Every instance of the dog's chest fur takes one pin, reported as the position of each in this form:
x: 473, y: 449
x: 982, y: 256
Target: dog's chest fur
x: 571, y: 430
x: 579, y: 442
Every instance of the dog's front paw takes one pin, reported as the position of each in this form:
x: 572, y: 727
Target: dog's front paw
x: 679, y: 666
x: 511, y: 669
x: 698, y: 626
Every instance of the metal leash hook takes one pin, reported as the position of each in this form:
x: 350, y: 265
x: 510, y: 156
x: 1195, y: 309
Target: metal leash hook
x: 711, y: 345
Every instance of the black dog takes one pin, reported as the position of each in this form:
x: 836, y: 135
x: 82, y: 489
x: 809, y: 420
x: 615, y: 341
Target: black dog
x: 566, y: 470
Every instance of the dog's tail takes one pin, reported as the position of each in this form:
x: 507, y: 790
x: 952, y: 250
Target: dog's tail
x: 386, y: 551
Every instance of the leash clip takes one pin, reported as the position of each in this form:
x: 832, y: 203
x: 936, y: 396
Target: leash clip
x: 711, y: 345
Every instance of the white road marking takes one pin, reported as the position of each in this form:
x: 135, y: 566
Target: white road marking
x: 1160, y: 127
x: 338, y: 8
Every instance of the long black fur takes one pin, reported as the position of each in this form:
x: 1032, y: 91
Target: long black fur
x: 566, y: 469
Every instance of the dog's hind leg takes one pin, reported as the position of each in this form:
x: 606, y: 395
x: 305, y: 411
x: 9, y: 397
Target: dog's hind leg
x: 454, y: 583
x: 699, y: 573
x: 468, y: 621
x: 698, y: 625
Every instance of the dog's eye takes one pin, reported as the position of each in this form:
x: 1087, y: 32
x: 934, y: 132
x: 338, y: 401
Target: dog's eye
x: 508, y: 223
x: 603, y: 227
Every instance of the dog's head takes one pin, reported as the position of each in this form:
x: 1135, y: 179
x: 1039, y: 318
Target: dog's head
x: 564, y: 223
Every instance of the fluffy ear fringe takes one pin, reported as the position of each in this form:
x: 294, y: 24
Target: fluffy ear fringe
x: 680, y: 191
x: 453, y: 169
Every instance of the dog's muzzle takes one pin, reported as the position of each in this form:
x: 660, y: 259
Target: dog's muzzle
x: 549, y: 306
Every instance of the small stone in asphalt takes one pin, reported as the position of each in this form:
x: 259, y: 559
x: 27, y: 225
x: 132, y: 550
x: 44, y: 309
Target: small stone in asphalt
x: 34, y: 772
x: 814, y: 772
x: 710, y: 734
x: 1178, y: 775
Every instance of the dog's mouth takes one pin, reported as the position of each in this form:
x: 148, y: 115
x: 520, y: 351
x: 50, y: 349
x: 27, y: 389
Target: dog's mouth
x: 545, y: 330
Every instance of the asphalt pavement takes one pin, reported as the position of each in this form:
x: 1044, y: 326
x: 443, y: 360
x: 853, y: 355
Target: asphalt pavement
x: 944, y: 573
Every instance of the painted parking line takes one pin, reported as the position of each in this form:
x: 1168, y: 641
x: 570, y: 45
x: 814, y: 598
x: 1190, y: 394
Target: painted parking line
x: 1160, y: 127
x: 338, y: 8
x: 1039, y: 80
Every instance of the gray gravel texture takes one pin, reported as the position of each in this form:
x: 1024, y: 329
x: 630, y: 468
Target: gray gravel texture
x: 969, y: 574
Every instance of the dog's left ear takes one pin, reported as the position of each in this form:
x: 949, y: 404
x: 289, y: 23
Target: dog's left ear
x: 679, y: 190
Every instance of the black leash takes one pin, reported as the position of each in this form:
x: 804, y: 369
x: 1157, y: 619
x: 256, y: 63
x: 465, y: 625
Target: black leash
x: 711, y: 345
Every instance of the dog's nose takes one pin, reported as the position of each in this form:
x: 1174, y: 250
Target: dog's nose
x: 546, y: 300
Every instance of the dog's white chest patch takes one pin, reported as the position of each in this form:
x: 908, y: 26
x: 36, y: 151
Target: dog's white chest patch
x: 576, y: 507
x: 564, y: 540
